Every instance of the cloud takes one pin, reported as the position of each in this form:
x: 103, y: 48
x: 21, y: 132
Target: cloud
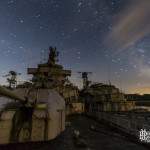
x: 131, y: 25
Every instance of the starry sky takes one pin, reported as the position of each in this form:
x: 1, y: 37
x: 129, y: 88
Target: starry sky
x: 110, y: 38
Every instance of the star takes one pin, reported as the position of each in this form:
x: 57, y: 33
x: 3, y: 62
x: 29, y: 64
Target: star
x: 21, y: 20
x: 91, y: 34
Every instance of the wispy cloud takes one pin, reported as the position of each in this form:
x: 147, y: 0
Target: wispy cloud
x: 131, y: 25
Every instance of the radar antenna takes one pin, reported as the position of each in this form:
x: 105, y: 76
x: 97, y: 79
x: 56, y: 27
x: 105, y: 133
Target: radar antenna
x: 86, y: 81
x: 12, y: 78
x: 53, y: 56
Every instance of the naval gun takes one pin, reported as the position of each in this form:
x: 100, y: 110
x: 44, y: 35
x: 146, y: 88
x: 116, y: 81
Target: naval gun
x: 27, y: 120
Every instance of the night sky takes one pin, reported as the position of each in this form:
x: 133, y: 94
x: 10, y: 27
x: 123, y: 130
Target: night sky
x: 110, y: 38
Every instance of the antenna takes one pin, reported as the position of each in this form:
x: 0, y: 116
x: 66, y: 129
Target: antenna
x: 45, y: 55
x: 121, y: 86
x: 42, y: 56
x: 108, y: 70
x: 12, y: 78
x: 86, y: 81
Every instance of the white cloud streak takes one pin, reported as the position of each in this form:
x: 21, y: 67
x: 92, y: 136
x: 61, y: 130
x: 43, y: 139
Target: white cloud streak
x: 131, y: 25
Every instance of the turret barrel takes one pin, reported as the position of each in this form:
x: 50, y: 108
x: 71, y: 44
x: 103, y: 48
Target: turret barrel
x: 7, y: 93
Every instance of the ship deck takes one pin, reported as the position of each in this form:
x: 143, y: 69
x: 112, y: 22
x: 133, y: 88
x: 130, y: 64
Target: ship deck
x: 101, y: 138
